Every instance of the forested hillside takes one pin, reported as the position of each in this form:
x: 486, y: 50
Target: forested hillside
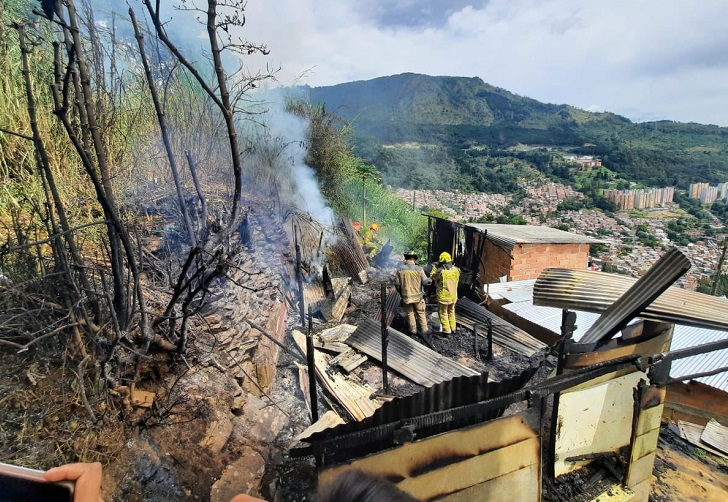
x: 462, y: 133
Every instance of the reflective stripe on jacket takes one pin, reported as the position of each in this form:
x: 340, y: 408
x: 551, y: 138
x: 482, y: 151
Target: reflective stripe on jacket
x: 446, y: 279
x: 409, y: 279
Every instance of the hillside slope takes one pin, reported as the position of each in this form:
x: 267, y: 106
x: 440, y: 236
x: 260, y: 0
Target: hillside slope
x: 459, y: 112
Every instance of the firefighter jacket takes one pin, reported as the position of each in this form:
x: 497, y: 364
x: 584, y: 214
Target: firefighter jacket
x: 446, y: 279
x: 409, y: 280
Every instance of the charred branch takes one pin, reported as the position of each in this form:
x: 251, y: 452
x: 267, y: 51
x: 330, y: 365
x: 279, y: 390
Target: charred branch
x: 163, y: 129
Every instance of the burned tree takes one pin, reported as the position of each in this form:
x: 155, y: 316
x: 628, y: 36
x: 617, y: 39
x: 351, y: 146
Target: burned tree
x: 107, y: 303
x: 212, y: 249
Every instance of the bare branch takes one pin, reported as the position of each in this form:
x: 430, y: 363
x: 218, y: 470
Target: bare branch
x: 13, y: 133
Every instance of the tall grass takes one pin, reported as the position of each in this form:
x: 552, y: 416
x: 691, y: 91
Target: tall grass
x: 398, y: 222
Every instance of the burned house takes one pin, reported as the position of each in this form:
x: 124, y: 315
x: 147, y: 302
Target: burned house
x: 467, y: 437
x: 493, y: 252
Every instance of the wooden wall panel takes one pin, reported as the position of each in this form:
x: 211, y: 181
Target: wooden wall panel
x: 594, y: 420
x: 453, y: 462
x: 522, y: 484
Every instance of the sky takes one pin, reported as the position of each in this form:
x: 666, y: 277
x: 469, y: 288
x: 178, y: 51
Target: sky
x: 643, y: 59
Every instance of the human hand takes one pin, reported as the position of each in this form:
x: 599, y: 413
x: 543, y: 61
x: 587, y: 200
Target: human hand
x: 245, y: 498
x: 87, y: 477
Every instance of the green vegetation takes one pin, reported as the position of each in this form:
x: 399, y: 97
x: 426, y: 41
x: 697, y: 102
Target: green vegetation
x: 598, y: 249
x: 645, y: 237
x: 457, y: 116
x: 354, y: 188
x: 705, y: 285
x: 720, y: 209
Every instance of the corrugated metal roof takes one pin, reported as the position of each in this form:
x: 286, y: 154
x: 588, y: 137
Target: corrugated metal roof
x: 406, y: 356
x: 510, y: 235
x: 596, y: 291
x: 688, y: 336
x: 550, y: 317
x: 313, y: 296
x: 450, y: 394
x: 683, y: 337
x: 505, y: 334
x: 671, y: 266
x: 392, y: 305
x: 515, y: 291
x: 349, y: 251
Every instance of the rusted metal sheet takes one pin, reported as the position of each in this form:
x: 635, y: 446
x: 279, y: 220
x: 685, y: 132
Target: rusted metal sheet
x: 447, y: 464
x: 348, y: 250
x: 313, y: 296
x: 406, y: 356
x: 392, y: 305
x: 596, y: 291
x: 505, y: 334
x: 670, y: 267
x: 381, y: 430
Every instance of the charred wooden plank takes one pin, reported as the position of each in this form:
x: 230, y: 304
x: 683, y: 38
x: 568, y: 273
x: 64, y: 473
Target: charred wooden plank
x: 348, y: 391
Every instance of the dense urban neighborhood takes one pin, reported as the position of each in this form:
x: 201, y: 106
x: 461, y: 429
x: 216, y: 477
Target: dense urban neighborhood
x: 620, y: 232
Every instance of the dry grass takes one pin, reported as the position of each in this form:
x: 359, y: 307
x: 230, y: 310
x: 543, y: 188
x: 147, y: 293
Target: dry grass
x: 43, y: 423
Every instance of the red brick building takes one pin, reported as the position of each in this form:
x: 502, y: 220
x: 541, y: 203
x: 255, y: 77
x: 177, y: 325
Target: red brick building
x: 520, y: 252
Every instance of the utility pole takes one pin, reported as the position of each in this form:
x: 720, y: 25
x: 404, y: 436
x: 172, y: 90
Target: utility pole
x: 719, y: 270
x: 364, y: 201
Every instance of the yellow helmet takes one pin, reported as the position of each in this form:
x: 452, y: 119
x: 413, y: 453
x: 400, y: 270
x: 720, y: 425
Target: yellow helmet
x: 374, y: 227
x: 445, y: 257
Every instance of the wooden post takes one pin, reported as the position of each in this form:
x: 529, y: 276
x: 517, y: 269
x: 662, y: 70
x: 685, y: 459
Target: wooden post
x: 429, y: 239
x: 385, y: 339
x: 364, y: 201
x: 299, y: 279
x: 567, y: 330
x: 718, y: 271
x: 311, y: 370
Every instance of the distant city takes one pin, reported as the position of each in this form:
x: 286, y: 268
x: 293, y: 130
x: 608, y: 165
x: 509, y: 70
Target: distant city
x: 640, y: 198
x: 622, y: 252
x: 708, y: 194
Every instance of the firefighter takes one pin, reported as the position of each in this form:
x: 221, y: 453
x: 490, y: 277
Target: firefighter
x: 446, y: 277
x: 370, y: 241
x: 409, y: 281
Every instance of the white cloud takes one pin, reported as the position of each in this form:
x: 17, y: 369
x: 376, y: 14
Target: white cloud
x: 652, y: 59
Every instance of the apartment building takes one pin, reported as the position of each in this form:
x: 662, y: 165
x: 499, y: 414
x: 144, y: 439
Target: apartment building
x: 626, y: 200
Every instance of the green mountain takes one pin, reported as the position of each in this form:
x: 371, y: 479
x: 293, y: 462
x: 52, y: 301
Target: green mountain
x: 457, y: 132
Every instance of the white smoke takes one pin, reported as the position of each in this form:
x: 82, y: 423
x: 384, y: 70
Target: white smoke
x: 299, y: 183
x: 278, y: 148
